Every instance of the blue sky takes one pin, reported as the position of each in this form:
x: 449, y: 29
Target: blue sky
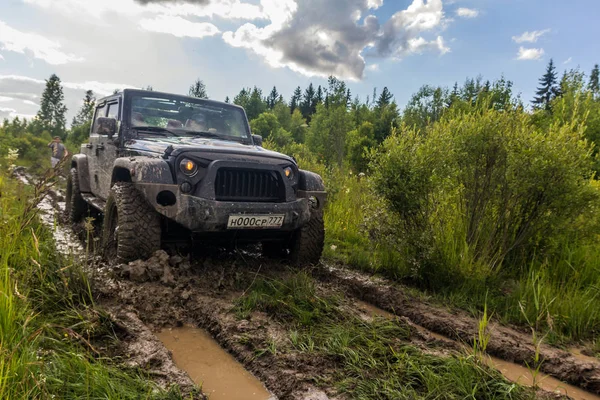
x: 230, y: 44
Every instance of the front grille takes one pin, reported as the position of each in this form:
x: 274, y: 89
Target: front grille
x: 248, y: 185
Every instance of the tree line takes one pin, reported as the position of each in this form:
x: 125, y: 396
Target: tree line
x: 327, y: 120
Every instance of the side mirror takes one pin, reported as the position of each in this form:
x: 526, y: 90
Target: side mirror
x: 257, y: 139
x: 106, y: 126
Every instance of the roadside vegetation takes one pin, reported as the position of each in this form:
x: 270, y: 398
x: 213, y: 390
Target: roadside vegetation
x: 54, y: 342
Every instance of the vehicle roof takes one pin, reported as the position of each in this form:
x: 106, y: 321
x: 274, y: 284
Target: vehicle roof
x: 133, y: 92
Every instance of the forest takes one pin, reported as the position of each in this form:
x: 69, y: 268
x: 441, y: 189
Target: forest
x: 468, y: 194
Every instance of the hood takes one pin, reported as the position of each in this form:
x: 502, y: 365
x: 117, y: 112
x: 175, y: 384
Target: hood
x: 155, y: 147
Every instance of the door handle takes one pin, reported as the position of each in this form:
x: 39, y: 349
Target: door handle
x: 89, y: 145
x: 100, y: 147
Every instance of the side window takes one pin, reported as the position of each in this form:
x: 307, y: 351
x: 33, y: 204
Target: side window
x: 100, y: 112
x: 113, y: 111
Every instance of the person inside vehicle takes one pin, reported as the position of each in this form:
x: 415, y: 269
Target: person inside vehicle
x: 197, y: 123
x: 137, y: 119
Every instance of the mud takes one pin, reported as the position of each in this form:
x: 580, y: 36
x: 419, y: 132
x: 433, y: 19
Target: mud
x: 505, y: 343
x: 216, y: 371
x: 202, y: 294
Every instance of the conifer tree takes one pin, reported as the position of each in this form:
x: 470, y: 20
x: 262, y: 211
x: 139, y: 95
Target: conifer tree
x: 385, y: 98
x: 51, y: 115
x: 307, y: 102
x: 548, y: 89
x: 86, y: 112
x: 198, y: 89
x: 594, y: 85
x: 272, y: 98
x: 295, y: 100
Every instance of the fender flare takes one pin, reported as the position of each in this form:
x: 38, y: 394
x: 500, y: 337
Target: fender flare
x: 80, y: 162
x: 309, y: 181
x: 141, y: 169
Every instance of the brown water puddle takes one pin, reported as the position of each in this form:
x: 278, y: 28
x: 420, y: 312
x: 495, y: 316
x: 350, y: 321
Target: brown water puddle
x: 211, y: 367
x: 512, y: 372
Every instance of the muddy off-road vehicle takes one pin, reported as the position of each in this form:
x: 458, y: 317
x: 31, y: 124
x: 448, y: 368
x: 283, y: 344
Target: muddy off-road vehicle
x: 163, y: 168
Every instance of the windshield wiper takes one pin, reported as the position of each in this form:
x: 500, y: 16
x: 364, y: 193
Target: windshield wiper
x: 204, y: 133
x: 155, y: 129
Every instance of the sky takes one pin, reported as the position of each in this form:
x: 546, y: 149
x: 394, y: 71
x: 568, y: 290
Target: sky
x: 230, y: 44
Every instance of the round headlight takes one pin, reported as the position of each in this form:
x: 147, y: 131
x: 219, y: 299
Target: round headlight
x: 289, y: 173
x: 188, y: 167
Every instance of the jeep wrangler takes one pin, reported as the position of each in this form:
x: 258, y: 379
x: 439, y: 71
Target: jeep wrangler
x: 163, y: 167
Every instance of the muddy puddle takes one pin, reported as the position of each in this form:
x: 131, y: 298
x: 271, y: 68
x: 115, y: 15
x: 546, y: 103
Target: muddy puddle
x: 511, y: 371
x: 216, y: 371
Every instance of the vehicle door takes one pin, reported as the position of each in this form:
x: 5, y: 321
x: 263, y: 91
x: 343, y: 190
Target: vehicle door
x: 91, y: 150
x: 108, y: 150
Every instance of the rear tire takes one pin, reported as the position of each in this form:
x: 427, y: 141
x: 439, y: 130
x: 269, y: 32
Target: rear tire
x: 131, y: 226
x: 76, y: 207
x: 307, y: 243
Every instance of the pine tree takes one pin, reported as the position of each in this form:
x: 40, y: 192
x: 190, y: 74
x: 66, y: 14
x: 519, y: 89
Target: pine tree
x: 548, y: 89
x: 52, y: 111
x: 295, y: 100
x: 307, y: 102
x: 256, y: 104
x: 86, y: 112
x: 272, y: 98
x: 319, y: 98
x: 385, y: 98
x: 594, y: 84
x: 198, y: 89
x: 227, y: 99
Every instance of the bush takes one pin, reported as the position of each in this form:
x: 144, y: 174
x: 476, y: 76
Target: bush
x: 483, y: 191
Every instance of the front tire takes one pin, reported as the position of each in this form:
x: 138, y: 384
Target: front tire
x: 131, y: 226
x: 76, y: 206
x: 307, y: 243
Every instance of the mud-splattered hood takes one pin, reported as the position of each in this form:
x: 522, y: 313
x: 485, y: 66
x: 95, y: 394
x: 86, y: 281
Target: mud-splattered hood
x: 156, y: 147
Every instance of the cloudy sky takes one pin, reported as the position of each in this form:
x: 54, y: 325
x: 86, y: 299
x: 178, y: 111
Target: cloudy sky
x: 230, y: 44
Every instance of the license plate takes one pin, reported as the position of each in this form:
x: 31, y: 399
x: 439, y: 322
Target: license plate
x: 255, y: 221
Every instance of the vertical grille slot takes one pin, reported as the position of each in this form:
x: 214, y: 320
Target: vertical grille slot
x: 234, y: 184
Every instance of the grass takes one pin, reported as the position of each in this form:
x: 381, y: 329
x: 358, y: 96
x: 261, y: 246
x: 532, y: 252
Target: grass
x: 49, y: 324
x: 559, y: 296
x: 372, y: 359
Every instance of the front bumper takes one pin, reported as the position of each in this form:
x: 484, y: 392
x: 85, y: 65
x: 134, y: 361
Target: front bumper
x: 201, y: 215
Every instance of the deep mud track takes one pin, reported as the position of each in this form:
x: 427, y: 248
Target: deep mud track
x: 171, y: 291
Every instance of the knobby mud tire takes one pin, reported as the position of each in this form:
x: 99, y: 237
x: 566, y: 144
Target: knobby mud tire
x: 307, y: 244
x: 76, y: 206
x: 131, y: 226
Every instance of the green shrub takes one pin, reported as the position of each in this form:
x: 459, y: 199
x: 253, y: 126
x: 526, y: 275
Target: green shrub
x: 483, y: 191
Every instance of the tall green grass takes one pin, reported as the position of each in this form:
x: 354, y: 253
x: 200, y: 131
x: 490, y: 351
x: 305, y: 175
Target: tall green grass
x: 49, y: 325
x: 371, y: 359
x: 558, y: 294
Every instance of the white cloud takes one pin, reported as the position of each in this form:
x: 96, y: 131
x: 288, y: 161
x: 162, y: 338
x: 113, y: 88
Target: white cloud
x: 227, y: 9
x: 303, y: 36
x: 530, y: 37
x: 179, y: 27
x: 39, y: 46
x: 568, y: 60
x: 529, y: 54
x: 1, y: 57
x: 467, y: 12
x: 373, y: 67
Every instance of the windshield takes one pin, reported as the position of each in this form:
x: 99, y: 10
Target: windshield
x: 188, y: 118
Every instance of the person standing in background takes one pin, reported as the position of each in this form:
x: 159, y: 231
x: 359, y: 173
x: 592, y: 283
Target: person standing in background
x: 59, y: 151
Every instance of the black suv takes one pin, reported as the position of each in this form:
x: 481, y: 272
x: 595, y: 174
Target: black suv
x: 164, y: 167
